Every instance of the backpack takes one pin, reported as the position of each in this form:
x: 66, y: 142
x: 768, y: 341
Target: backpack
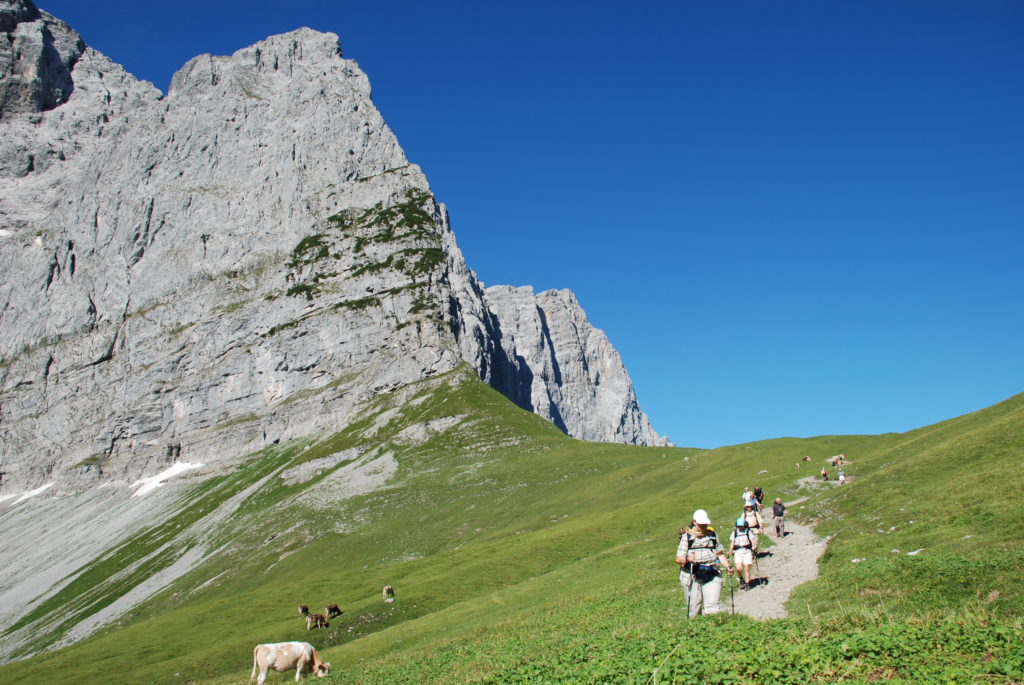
x: 704, y: 571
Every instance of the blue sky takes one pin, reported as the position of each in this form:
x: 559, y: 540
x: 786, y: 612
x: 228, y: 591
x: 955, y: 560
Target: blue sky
x: 791, y: 218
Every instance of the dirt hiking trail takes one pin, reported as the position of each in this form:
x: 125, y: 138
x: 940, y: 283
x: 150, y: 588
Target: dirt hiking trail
x: 792, y: 561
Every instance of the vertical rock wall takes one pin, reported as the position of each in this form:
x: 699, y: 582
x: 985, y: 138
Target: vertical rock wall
x: 241, y: 261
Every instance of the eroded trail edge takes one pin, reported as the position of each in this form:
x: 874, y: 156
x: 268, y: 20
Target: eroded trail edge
x: 792, y: 561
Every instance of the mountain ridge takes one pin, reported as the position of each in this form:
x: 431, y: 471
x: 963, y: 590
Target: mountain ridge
x: 150, y: 312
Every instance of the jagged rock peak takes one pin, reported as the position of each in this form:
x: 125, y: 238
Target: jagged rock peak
x: 568, y: 371
x: 37, y: 54
x: 13, y: 12
x: 279, y: 53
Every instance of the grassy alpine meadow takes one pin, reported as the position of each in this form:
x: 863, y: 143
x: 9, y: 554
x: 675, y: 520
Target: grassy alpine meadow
x: 519, y: 555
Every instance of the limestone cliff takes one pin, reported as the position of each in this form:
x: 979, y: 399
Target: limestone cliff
x: 240, y: 261
x: 569, y: 372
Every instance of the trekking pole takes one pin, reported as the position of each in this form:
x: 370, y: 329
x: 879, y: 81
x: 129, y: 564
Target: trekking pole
x: 732, y: 596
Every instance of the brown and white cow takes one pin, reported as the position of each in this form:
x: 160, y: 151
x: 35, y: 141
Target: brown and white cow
x: 332, y: 610
x: 316, y: 621
x: 284, y: 656
x: 303, y: 610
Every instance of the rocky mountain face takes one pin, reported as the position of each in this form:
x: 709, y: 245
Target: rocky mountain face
x: 243, y: 260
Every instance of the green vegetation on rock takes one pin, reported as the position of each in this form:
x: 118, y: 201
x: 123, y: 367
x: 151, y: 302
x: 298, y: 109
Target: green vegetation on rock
x: 409, y: 226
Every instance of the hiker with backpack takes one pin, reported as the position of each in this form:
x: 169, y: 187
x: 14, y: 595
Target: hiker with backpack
x: 741, y: 545
x: 779, y: 512
x: 758, y: 497
x: 698, y: 555
x: 754, y: 522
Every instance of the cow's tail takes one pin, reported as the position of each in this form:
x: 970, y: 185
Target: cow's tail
x: 255, y: 663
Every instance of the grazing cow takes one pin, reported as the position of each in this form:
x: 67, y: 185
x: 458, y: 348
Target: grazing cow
x: 284, y: 656
x: 388, y: 593
x: 303, y: 610
x: 316, y: 621
x: 332, y: 610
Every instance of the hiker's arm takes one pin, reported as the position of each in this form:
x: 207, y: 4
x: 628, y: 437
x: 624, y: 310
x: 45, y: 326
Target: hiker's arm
x: 682, y: 551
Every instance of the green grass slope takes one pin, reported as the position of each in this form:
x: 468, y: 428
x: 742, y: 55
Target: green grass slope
x: 521, y: 556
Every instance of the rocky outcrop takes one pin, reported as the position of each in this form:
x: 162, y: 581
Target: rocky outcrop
x: 36, y: 59
x: 239, y: 262
x: 567, y: 370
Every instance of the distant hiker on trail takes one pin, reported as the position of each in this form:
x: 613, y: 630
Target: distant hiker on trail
x: 759, y: 496
x: 779, y: 512
x: 754, y: 522
x: 842, y: 477
x: 747, y: 495
x: 698, y: 556
x: 824, y: 474
x: 741, y: 545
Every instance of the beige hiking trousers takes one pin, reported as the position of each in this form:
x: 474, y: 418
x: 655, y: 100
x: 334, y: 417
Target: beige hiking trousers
x: 701, y: 597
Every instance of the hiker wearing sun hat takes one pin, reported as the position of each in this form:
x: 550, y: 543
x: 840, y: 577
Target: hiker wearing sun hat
x: 754, y: 521
x: 698, y: 556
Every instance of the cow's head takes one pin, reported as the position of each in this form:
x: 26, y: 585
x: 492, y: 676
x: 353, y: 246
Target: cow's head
x: 323, y: 669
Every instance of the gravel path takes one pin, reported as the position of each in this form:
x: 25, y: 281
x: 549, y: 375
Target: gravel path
x: 792, y: 561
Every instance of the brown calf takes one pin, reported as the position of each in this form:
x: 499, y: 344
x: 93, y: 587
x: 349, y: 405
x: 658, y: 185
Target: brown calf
x: 316, y: 621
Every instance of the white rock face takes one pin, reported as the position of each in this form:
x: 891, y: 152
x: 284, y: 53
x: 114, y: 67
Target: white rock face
x: 569, y: 372
x: 245, y: 260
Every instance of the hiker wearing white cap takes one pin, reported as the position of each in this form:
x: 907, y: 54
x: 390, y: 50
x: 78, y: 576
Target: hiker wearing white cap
x: 698, y: 556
